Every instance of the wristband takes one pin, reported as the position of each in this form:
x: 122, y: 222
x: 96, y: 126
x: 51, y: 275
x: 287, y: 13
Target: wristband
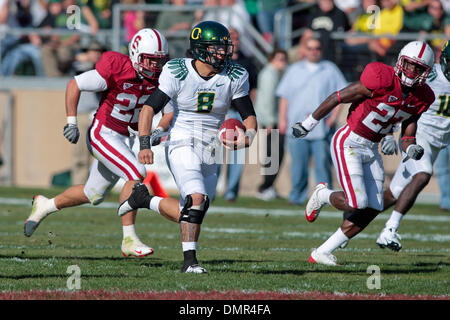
x: 309, y: 123
x: 144, y: 142
x: 72, y: 120
x: 339, y: 97
x: 411, y: 138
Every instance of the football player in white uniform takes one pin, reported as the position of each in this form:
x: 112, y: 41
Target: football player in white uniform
x: 125, y: 82
x: 201, y: 89
x: 433, y: 134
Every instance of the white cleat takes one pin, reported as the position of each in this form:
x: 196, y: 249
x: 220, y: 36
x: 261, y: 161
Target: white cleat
x: 135, y: 248
x: 195, y: 268
x: 322, y: 258
x: 314, y: 204
x: 39, y: 211
x: 389, y: 238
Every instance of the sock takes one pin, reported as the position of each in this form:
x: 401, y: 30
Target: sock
x: 394, y: 220
x: 51, y: 205
x: 333, y: 242
x: 324, y: 195
x: 129, y: 231
x: 189, y: 246
x: 154, y: 203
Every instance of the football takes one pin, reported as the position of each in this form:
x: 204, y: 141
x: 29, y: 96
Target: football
x: 228, y: 130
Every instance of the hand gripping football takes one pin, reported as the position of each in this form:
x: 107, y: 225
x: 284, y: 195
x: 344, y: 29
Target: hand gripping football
x: 228, y: 129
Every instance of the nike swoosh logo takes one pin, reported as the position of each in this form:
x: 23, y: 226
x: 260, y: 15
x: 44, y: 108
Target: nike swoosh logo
x: 138, y: 252
x: 219, y: 85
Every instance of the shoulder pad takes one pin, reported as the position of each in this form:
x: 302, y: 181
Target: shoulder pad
x: 234, y: 71
x: 433, y: 74
x: 178, y: 67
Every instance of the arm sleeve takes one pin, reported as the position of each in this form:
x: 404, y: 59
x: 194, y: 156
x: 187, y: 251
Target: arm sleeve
x: 157, y: 100
x: 244, y: 106
x: 91, y: 81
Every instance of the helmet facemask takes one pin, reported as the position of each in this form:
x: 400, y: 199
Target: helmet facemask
x: 150, y: 65
x: 216, y: 55
x: 411, y: 71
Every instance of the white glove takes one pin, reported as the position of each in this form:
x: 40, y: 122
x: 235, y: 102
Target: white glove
x: 71, y: 132
x: 388, y: 145
x: 414, y: 151
x: 298, y: 131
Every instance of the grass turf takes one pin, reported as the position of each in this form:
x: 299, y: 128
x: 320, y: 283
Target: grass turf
x: 247, y: 251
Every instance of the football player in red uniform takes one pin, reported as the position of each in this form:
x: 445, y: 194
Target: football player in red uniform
x: 383, y: 97
x: 125, y: 82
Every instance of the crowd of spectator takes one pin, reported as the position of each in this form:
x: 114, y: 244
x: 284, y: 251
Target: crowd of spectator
x: 312, y: 57
x: 54, y: 55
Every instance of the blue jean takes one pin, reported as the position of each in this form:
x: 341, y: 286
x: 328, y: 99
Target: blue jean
x: 235, y: 165
x: 301, y: 151
x: 265, y: 20
x: 441, y: 168
x: 22, y: 53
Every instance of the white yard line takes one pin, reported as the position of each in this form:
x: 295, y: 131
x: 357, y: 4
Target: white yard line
x: 254, y: 211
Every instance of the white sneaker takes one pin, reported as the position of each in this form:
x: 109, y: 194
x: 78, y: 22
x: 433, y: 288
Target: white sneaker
x: 195, y: 268
x: 267, y: 194
x: 322, y: 258
x: 389, y: 238
x: 135, y: 248
x: 39, y: 211
x: 314, y: 204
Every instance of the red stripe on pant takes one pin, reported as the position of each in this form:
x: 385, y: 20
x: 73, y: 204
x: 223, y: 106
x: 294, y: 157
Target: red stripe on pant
x: 343, y: 168
x: 114, y: 152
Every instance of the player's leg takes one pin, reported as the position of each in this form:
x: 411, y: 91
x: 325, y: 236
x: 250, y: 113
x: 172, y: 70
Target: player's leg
x: 114, y: 152
x: 442, y: 170
x: 409, y: 180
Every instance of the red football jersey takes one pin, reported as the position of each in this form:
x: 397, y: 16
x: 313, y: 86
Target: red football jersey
x: 373, y: 118
x: 122, y: 101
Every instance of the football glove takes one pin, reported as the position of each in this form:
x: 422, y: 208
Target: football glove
x: 414, y: 151
x: 71, y: 132
x: 388, y: 145
x: 155, y: 137
x: 298, y: 131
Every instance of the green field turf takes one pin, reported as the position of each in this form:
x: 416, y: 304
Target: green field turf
x: 257, y: 248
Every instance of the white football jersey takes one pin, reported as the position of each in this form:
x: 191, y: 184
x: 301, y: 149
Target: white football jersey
x: 200, y: 105
x: 434, y: 124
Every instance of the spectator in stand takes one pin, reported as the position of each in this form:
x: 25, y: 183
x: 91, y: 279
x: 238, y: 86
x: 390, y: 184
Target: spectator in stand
x: 302, y: 88
x: 17, y: 50
x: 58, y: 52
x: 236, y: 159
x: 325, y: 19
x: 349, y: 7
x: 88, y: 103
x: 176, y: 26
x: 267, y: 9
x: 266, y: 108
x: 97, y: 14
x: 356, y: 49
x: 232, y: 14
x: 410, y: 6
x: 133, y: 21
x: 390, y: 22
x: 431, y: 20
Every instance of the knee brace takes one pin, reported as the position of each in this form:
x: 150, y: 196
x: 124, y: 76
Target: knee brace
x: 361, y: 218
x: 194, y: 215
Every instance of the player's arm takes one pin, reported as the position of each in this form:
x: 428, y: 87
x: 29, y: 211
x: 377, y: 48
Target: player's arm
x: 353, y: 93
x: 245, y: 108
x: 152, y: 106
x: 408, y: 144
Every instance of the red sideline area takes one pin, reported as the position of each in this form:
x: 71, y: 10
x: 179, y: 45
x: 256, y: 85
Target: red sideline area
x: 195, y: 295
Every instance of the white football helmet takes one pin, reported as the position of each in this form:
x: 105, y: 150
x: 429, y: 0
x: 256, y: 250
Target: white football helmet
x: 148, y: 52
x: 417, y: 53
